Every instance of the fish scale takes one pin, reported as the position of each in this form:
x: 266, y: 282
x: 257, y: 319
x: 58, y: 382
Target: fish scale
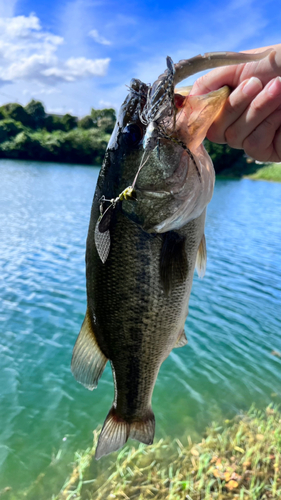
x: 142, y: 335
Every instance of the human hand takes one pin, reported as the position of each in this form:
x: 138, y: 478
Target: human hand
x: 251, y: 117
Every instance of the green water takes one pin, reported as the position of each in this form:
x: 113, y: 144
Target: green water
x: 233, y: 325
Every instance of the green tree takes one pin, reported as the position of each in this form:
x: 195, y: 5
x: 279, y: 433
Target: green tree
x: 104, y: 119
x: 223, y: 156
x: 69, y: 122
x: 54, y: 137
x: 86, y: 122
x: 54, y: 122
x: 23, y: 145
x: 9, y: 128
x: 36, y: 111
x: 17, y: 113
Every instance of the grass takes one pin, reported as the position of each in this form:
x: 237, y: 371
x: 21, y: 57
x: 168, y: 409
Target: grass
x: 240, y: 459
x: 270, y: 172
x: 252, y: 170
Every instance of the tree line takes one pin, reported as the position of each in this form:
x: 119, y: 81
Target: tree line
x: 28, y: 132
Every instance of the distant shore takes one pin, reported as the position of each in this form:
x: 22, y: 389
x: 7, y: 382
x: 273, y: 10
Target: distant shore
x: 29, y: 133
x: 270, y: 172
x: 233, y: 164
x: 258, y: 172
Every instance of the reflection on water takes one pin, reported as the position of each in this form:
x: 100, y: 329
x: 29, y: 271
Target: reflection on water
x: 233, y: 325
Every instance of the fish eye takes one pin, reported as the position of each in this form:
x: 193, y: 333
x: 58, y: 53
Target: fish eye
x: 133, y: 134
x: 135, y: 84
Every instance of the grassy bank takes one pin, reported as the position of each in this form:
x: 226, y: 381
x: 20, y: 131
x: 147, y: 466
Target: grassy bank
x: 232, y: 164
x: 238, y: 459
x: 255, y: 171
x: 267, y: 173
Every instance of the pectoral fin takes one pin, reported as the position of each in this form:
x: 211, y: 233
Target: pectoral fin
x: 88, y: 361
x: 182, y: 340
x: 173, y: 260
x: 201, y: 259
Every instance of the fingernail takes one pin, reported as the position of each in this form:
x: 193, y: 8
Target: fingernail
x: 274, y: 87
x: 252, y: 87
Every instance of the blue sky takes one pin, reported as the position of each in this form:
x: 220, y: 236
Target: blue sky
x: 77, y: 54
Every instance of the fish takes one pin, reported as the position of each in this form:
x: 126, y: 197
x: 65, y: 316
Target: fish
x: 145, y: 239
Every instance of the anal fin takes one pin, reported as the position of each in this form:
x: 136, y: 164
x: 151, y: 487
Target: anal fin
x: 88, y: 361
x: 113, y: 436
x: 201, y: 259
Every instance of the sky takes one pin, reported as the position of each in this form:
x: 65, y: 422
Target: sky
x: 77, y: 54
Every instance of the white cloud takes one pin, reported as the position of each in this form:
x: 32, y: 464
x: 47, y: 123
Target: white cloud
x: 29, y: 53
x: 99, y: 38
x: 19, y: 26
x: 75, y: 68
x: 61, y: 110
x: 106, y: 104
x: 43, y: 91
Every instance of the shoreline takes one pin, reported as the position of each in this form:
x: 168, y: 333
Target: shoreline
x: 235, y: 459
x: 241, y: 458
x: 264, y: 172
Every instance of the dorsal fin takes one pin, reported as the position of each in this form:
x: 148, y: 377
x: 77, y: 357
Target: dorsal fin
x: 173, y: 260
x: 88, y: 361
x: 201, y: 259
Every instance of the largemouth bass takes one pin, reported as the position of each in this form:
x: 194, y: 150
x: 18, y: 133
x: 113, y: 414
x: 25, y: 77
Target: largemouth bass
x: 146, y: 235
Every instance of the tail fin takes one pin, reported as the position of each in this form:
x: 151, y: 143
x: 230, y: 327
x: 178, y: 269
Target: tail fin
x: 116, y: 431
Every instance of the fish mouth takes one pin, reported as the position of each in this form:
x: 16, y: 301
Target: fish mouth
x: 160, y: 107
x: 168, y: 114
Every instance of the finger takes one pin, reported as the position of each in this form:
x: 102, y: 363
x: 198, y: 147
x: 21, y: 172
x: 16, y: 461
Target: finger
x: 234, y: 107
x: 217, y: 78
x: 262, y: 106
x: 262, y: 143
x: 276, y: 156
x: 265, y: 70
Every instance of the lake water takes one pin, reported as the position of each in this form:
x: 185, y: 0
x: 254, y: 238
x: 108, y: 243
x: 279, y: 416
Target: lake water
x: 233, y: 326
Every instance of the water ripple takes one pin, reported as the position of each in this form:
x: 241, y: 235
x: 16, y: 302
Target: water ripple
x: 233, y: 326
